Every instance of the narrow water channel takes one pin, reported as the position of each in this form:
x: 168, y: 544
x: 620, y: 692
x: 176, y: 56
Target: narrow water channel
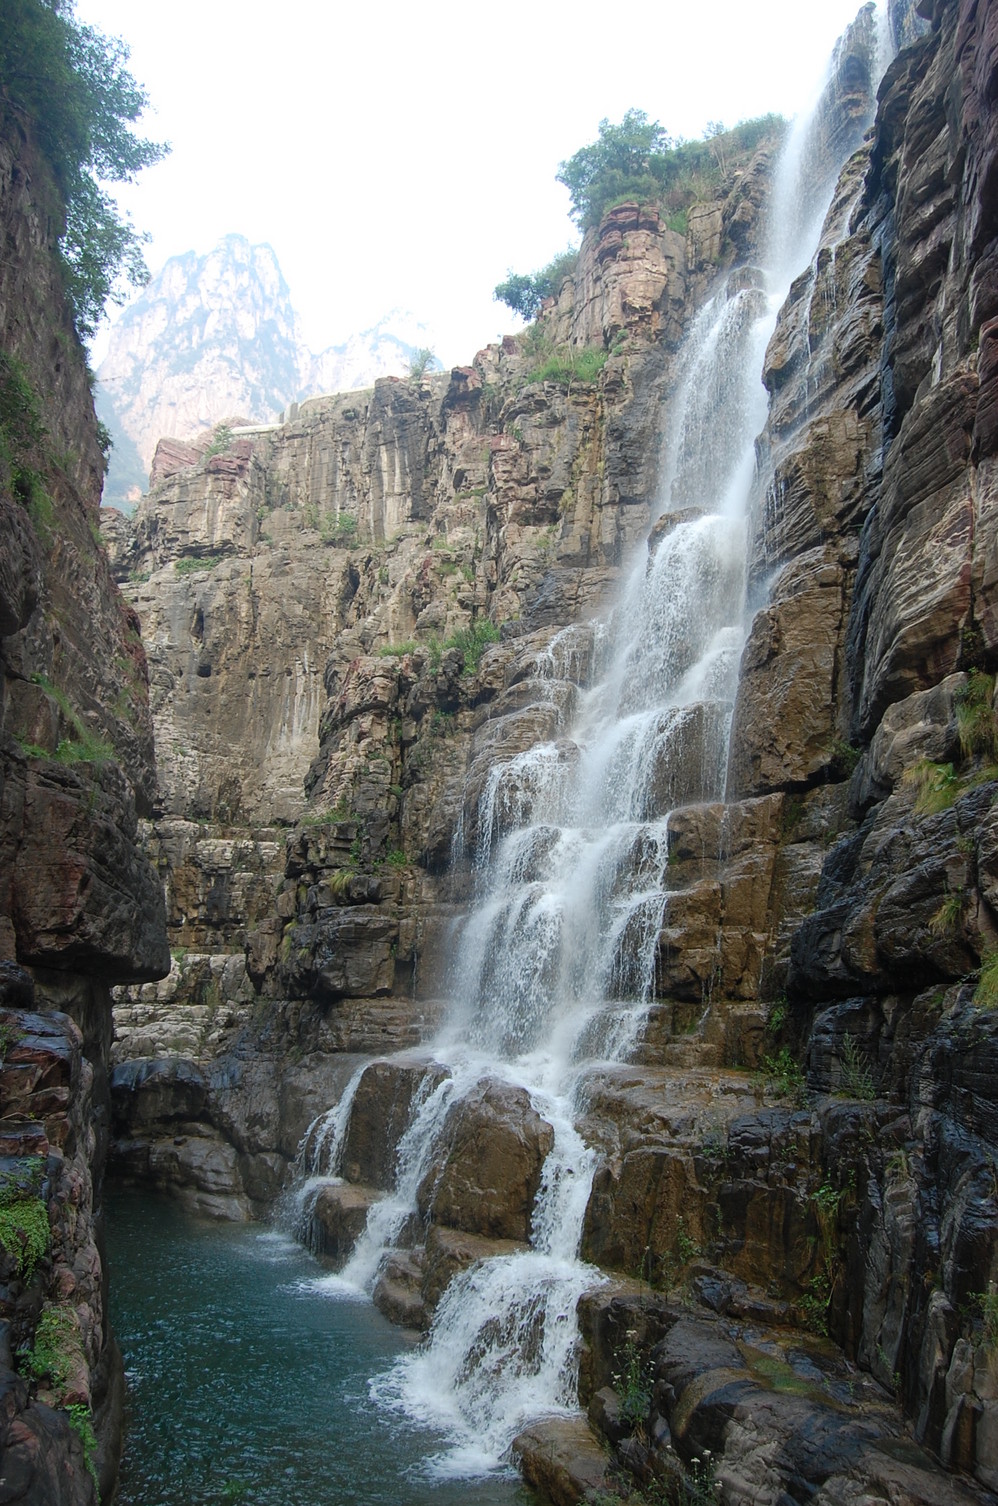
x: 248, y: 1385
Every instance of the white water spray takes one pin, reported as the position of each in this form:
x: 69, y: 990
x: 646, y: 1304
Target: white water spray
x: 554, y: 966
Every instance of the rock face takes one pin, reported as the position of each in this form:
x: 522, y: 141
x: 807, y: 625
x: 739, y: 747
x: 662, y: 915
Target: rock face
x: 80, y: 906
x: 805, y: 1137
x: 318, y: 602
x: 216, y: 335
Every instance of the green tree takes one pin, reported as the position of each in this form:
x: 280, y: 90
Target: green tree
x: 520, y: 293
x: 637, y: 160
x: 420, y: 362
x: 71, y: 81
x: 524, y: 293
x: 624, y: 162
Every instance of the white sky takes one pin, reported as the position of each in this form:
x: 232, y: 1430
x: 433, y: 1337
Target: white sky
x: 398, y: 154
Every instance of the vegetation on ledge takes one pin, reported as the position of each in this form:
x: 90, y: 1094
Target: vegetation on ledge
x: 525, y: 293
x: 637, y: 160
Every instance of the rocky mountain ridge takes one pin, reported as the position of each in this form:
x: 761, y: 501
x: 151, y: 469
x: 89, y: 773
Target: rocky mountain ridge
x: 216, y: 335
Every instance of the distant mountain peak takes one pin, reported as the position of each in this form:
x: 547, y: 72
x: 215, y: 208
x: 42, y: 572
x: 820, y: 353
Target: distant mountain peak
x: 215, y: 334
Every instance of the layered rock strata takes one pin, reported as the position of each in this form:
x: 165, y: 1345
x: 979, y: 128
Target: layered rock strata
x: 804, y: 1141
x: 80, y: 906
x: 319, y: 604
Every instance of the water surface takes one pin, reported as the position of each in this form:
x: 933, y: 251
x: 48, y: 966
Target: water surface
x: 246, y: 1384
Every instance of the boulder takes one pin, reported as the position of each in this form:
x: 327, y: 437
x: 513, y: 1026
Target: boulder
x: 487, y: 1164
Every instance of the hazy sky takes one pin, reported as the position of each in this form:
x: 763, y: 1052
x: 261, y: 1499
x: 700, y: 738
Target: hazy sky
x: 403, y: 155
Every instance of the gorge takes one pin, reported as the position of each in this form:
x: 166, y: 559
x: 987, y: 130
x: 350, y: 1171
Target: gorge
x: 573, y: 802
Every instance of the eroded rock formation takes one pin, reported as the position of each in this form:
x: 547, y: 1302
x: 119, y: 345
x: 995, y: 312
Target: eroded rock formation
x: 804, y: 1137
x: 80, y: 906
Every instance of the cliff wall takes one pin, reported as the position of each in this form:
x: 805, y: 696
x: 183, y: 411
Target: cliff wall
x: 339, y: 613
x: 802, y: 1143
x: 854, y: 888
x: 80, y: 907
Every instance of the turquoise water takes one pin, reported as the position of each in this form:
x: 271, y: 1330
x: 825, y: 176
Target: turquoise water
x: 247, y: 1385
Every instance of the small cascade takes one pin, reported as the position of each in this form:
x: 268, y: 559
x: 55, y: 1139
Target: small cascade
x: 505, y: 1337
x: 553, y: 968
x: 318, y: 1161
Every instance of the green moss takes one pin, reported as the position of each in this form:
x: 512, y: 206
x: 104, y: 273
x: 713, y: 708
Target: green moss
x: 778, y: 1376
x: 190, y: 564
x: 82, y: 1423
x: 56, y: 1347
x: 24, y: 444
x: 986, y: 992
x: 24, y: 1228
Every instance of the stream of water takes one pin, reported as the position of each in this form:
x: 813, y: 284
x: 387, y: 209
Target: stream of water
x: 553, y: 968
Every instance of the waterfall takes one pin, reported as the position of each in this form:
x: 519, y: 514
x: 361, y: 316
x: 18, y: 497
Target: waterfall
x: 553, y: 967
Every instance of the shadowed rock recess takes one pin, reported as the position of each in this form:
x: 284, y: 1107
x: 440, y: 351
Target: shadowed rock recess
x: 358, y: 619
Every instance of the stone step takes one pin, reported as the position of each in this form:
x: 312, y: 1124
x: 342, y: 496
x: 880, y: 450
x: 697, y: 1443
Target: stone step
x: 721, y: 1033
x: 561, y: 1458
x: 638, y: 1102
x: 397, y: 1292
x: 400, y: 1305
x: 450, y: 1251
x: 339, y: 1216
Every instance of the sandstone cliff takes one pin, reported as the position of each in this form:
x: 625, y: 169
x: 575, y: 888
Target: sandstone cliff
x: 80, y: 907
x: 803, y: 1140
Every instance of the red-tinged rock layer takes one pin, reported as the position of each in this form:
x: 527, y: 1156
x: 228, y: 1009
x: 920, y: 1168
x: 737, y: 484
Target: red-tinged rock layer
x: 80, y: 905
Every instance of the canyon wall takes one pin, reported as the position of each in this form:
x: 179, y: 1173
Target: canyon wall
x: 80, y: 907
x: 341, y: 615
x: 353, y: 617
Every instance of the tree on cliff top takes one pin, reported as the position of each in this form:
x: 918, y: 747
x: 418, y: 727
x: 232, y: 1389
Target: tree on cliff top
x: 525, y: 293
x: 621, y: 164
x: 72, y: 83
x: 638, y: 160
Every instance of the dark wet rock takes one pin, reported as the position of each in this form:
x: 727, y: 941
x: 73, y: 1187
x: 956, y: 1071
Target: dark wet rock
x: 488, y: 1163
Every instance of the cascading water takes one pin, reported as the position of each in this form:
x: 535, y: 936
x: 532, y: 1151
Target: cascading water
x: 554, y: 965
